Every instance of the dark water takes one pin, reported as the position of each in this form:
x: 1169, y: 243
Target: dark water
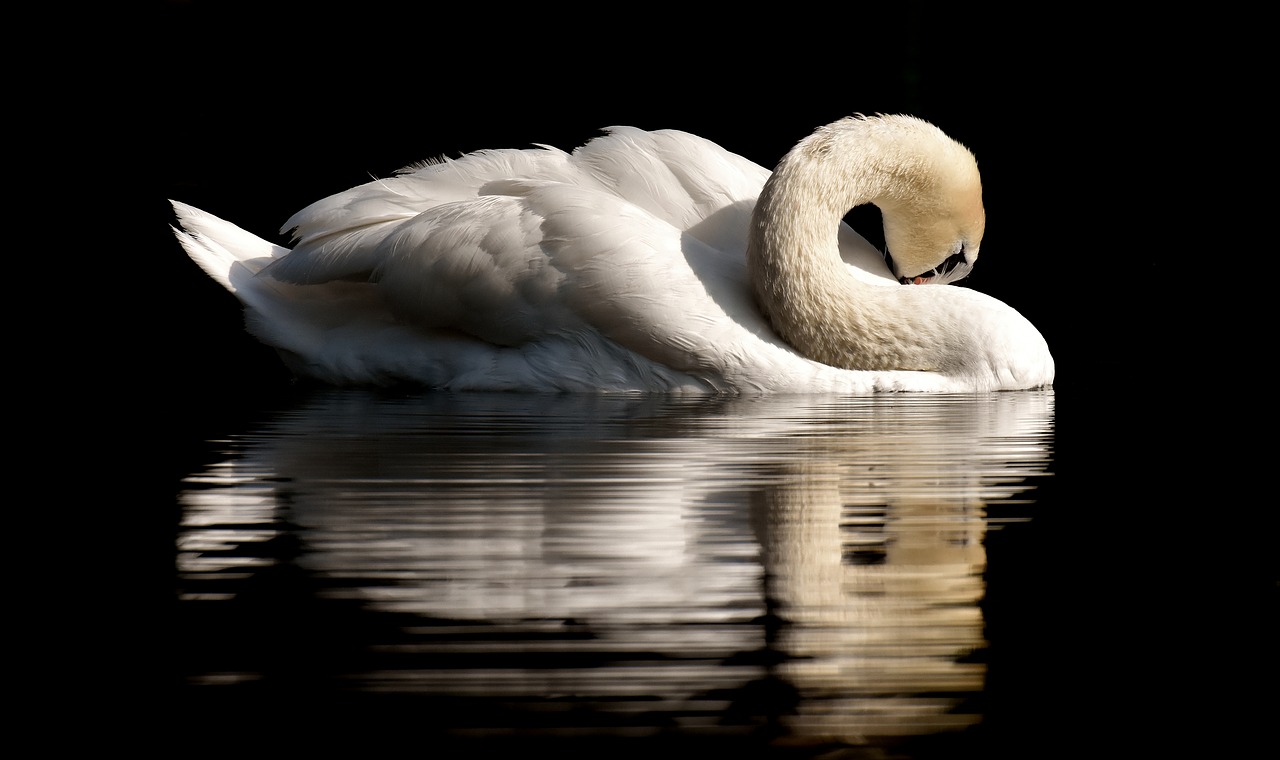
x: 495, y: 575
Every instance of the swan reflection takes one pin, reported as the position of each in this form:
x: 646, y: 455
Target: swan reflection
x: 806, y: 567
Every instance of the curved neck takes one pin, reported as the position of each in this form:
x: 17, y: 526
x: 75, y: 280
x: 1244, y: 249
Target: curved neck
x: 793, y: 257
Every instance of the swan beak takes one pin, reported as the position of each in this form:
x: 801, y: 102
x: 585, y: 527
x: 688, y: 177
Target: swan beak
x: 955, y: 267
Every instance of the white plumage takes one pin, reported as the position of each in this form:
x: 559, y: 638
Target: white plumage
x: 631, y: 265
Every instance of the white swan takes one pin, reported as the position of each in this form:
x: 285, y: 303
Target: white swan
x: 643, y: 261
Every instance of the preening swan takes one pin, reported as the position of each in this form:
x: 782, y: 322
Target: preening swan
x: 641, y: 261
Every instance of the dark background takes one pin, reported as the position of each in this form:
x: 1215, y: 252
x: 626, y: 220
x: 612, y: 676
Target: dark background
x: 253, y: 114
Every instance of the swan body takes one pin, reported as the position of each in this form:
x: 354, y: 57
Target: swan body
x: 642, y: 261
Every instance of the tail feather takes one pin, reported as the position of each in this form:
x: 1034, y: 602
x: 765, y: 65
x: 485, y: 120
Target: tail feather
x: 342, y: 332
x: 319, y: 330
x: 217, y: 246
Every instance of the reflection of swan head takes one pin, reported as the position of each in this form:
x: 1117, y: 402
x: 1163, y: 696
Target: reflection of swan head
x: 652, y: 261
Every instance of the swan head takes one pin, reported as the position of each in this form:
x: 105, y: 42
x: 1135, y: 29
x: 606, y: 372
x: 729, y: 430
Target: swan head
x: 919, y: 255
x: 932, y: 211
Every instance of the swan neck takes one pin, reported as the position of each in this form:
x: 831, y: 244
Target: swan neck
x: 793, y: 254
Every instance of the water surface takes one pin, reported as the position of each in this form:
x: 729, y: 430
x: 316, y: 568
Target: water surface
x: 782, y: 576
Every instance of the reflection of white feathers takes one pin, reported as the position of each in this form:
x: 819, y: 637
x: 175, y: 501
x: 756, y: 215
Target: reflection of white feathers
x: 657, y: 525
x: 641, y: 261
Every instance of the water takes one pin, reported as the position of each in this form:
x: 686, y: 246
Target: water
x: 785, y: 576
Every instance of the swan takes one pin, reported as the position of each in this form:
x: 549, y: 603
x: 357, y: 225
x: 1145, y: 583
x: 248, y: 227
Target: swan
x: 649, y: 261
